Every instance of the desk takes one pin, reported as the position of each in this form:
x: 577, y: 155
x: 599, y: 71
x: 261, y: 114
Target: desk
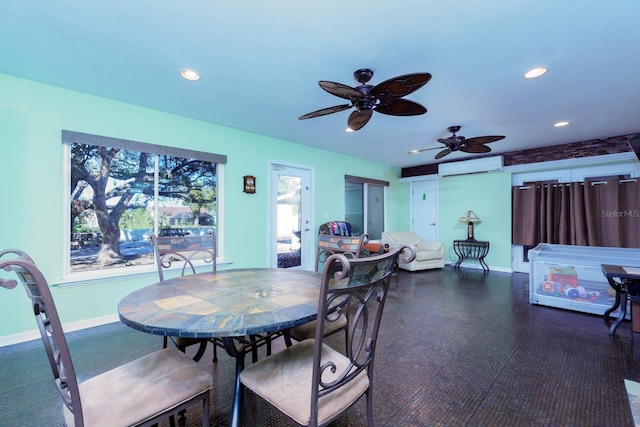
x: 626, y: 282
x: 227, y: 304
x: 474, y: 250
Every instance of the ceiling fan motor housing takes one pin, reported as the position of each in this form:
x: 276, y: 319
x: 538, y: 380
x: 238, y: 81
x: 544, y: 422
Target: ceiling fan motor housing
x: 363, y: 75
x: 366, y: 102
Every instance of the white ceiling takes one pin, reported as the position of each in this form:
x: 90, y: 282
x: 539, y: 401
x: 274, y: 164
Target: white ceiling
x: 260, y: 62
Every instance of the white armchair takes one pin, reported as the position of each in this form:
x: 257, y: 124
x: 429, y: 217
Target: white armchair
x: 428, y: 254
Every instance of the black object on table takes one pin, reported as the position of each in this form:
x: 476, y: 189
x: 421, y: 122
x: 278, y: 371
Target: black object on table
x: 471, y: 249
x: 626, y: 282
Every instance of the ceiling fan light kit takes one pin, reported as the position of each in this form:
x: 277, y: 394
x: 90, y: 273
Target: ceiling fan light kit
x: 385, y: 97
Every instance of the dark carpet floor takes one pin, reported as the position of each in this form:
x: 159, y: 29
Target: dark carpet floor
x: 456, y: 349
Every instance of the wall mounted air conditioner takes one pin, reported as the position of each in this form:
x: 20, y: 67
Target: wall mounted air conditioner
x: 465, y: 167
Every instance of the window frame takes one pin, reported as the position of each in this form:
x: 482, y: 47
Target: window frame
x: 70, y: 137
x: 366, y: 183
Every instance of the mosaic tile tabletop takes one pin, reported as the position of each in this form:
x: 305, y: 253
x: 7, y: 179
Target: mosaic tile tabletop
x: 225, y: 304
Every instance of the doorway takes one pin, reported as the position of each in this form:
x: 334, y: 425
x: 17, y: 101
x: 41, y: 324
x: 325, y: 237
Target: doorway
x: 291, y: 196
x: 424, y: 209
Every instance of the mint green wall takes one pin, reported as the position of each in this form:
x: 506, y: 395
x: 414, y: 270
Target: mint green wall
x: 398, y: 206
x: 489, y: 196
x: 32, y: 116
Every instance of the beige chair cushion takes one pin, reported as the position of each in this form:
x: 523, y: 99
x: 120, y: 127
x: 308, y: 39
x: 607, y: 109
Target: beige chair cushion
x: 141, y: 389
x: 284, y: 380
x: 308, y: 330
x: 427, y: 255
x: 430, y: 246
x: 396, y: 238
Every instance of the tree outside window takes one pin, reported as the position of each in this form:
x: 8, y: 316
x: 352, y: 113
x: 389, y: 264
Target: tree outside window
x: 119, y: 197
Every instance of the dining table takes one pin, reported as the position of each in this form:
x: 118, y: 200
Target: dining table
x: 625, y: 281
x: 228, y: 304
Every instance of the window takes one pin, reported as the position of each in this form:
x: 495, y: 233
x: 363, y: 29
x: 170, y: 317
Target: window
x: 365, y: 205
x: 120, y: 192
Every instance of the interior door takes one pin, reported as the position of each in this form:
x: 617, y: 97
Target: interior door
x: 291, y: 237
x: 424, y: 209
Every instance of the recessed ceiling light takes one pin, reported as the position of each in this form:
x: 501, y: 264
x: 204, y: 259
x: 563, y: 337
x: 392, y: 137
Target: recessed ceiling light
x: 561, y: 124
x: 190, y: 74
x: 535, y: 72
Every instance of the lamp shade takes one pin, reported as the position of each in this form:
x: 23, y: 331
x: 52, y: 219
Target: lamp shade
x: 469, y: 216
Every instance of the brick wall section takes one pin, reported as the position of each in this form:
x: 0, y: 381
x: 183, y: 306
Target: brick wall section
x: 594, y: 147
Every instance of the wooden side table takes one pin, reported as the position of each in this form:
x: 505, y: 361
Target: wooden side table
x: 471, y: 249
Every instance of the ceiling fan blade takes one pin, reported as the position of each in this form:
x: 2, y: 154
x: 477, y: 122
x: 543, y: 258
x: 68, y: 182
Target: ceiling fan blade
x: 443, y: 153
x: 400, y: 86
x: 476, y: 148
x: 358, y: 119
x: 338, y: 89
x: 483, y: 139
x: 325, y: 111
x: 400, y: 107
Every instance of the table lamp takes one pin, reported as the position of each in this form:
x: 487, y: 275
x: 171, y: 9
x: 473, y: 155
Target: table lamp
x: 469, y: 217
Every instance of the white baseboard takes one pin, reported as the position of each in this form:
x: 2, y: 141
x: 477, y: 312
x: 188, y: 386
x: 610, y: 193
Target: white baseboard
x: 501, y: 269
x: 69, y: 327
x: 471, y: 265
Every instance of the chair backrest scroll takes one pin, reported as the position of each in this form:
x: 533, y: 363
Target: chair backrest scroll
x: 349, y: 246
x: 185, y: 250
x: 49, y: 325
x: 358, y: 286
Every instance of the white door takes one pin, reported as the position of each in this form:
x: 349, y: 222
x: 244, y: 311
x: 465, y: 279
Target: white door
x: 292, y: 242
x: 424, y: 209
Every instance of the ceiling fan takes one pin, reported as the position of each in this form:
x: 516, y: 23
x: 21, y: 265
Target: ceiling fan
x: 385, y: 97
x: 460, y: 143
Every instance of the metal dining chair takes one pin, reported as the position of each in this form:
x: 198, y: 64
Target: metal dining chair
x: 350, y: 247
x: 310, y: 382
x: 183, y: 254
x: 142, y: 392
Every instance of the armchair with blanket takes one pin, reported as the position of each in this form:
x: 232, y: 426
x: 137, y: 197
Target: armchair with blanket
x: 428, y: 254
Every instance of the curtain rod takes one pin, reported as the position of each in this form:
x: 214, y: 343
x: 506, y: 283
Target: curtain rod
x: 621, y: 181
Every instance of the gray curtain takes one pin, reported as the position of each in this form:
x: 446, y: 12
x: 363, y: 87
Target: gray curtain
x: 524, y: 213
x: 593, y: 213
